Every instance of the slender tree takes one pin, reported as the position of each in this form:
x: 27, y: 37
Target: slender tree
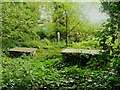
x: 66, y: 18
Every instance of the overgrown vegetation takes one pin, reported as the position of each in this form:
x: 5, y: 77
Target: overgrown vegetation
x: 21, y: 25
x: 47, y: 70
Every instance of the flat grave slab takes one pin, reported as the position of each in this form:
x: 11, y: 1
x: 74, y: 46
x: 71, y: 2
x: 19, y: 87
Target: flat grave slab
x: 79, y: 56
x: 83, y: 51
x: 23, y: 49
x: 19, y: 50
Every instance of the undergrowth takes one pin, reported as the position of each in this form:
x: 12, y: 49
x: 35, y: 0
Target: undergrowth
x: 47, y: 70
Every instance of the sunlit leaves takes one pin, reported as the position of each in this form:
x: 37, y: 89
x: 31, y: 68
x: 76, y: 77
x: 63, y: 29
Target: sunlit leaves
x: 111, y: 26
x: 109, y: 39
x: 19, y: 22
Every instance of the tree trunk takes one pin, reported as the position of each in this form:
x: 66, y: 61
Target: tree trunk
x: 66, y: 28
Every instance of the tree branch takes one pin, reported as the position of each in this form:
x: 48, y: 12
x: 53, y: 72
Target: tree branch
x: 74, y: 27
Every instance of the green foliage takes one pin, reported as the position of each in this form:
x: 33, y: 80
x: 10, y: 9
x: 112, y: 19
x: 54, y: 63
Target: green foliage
x: 27, y: 73
x: 19, y: 23
x: 66, y: 16
x: 90, y: 44
x: 109, y: 36
x: 46, y: 70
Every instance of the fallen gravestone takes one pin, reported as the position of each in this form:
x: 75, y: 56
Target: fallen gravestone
x: 79, y: 56
x: 17, y: 51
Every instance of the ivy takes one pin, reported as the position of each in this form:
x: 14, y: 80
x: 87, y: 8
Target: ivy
x: 109, y: 40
